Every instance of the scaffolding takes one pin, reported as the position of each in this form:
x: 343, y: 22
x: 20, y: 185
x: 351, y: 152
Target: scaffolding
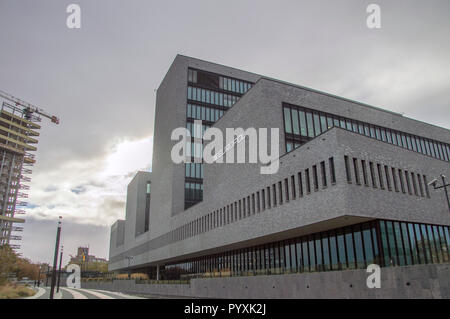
x: 18, y: 136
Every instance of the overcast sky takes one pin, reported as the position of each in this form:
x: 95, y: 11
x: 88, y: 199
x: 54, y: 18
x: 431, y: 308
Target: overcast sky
x: 101, y: 80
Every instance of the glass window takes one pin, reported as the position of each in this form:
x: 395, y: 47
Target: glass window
x: 302, y: 123
x: 383, y: 135
x: 323, y: 123
x: 413, y: 143
x: 361, y: 128
x: 399, y: 242
x: 350, y: 249
x: 329, y: 122
x: 384, y: 243
x: 336, y: 122
x: 312, y: 255
x: 413, y: 244
x: 287, y: 255
x: 305, y: 254
x: 360, y: 260
x: 433, y: 250
x: 316, y: 124
x: 348, y: 125
x: 295, y: 122
x: 437, y: 243
x: 394, y: 138
x: 408, y: 255
x: 444, y: 246
x: 391, y: 241
x: 289, y: 147
x: 309, y: 121
x: 293, y: 256
x: 298, y: 250
x: 372, y: 132
x: 334, y: 252
x: 318, y: 248
x: 368, y: 249
x: 366, y: 130
x: 389, y: 136
x: 447, y: 236
x: 341, y: 250
x: 287, y: 120
x: 377, y: 133
x: 422, y: 146
x: 419, y: 243
x: 425, y: 243
x: 326, y: 253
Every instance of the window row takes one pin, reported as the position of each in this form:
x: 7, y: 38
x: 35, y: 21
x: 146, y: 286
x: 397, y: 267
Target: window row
x: 211, y: 97
x: 197, y: 131
x: 384, y: 243
x: 192, y: 76
x: 385, y: 177
x: 233, y: 85
x: 193, y: 193
x: 290, y: 188
x: 194, y: 170
x: 203, y: 113
x: 302, y: 124
x: 217, y: 82
x: 410, y: 243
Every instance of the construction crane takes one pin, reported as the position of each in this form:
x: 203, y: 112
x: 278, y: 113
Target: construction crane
x: 28, y: 108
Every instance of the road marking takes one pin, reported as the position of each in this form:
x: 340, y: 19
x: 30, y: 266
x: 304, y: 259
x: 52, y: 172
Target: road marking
x: 96, y: 294
x: 39, y: 293
x: 118, y: 294
x: 75, y: 294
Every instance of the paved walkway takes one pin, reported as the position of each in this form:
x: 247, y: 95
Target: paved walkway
x: 71, y: 293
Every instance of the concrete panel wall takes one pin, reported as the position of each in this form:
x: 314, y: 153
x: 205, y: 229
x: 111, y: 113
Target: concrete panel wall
x: 420, y: 281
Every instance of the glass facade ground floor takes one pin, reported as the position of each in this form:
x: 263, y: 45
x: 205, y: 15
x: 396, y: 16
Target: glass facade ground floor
x: 382, y: 242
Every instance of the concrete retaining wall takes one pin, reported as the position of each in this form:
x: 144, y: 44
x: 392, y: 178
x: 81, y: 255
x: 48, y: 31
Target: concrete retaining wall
x: 423, y: 281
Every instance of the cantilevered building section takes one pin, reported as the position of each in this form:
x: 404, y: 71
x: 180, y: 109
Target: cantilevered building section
x: 18, y: 139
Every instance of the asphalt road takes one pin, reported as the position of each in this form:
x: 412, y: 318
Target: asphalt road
x: 71, y: 293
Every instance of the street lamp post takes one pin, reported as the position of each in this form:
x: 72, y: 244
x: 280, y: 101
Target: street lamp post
x: 59, y: 272
x: 444, y: 186
x: 55, y: 259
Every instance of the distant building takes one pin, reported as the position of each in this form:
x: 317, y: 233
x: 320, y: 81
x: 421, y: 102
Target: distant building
x: 91, y: 266
x: 84, y: 257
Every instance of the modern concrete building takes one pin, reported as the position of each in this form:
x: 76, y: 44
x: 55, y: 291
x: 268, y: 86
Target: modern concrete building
x: 352, y: 187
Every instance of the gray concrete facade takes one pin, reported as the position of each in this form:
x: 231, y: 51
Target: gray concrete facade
x: 338, y: 204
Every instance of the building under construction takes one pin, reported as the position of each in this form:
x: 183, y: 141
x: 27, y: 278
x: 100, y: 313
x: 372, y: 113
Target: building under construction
x: 18, y: 138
